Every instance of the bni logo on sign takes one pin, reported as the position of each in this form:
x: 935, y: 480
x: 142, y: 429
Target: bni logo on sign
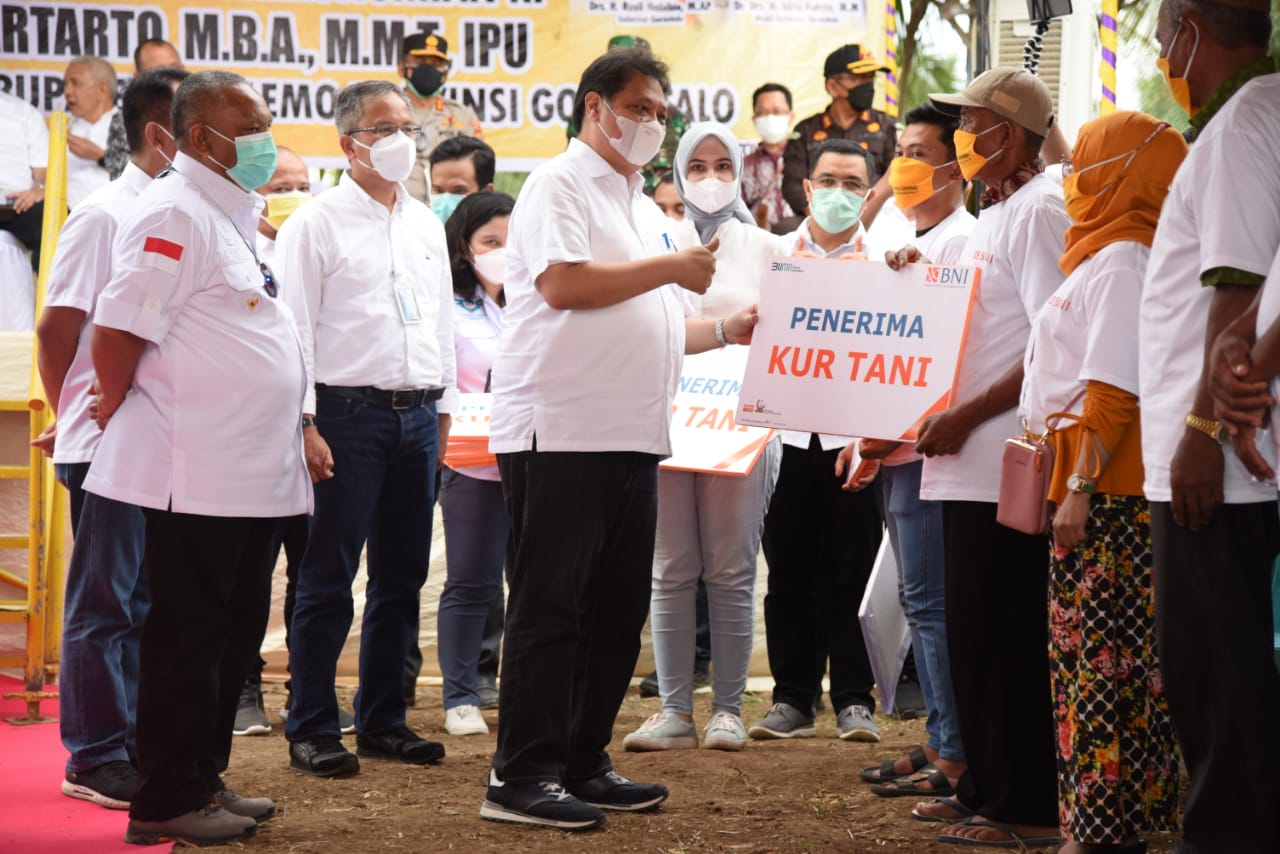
x: 947, y: 277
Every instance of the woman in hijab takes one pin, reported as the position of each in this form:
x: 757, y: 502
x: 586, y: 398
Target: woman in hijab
x: 709, y: 525
x: 1116, y: 751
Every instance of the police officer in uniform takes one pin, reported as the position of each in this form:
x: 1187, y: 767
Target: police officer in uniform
x: 425, y: 65
x: 851, y: 74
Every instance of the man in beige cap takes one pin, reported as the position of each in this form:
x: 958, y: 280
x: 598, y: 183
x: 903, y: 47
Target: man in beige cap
x: 996, y: 578
x: 1214, y: 528
x: 425, y: 65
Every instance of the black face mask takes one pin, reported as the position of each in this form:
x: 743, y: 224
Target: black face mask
x: 861, y: 96
x: 425, y: 79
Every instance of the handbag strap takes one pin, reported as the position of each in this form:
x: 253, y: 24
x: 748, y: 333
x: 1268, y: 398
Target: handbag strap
x: 1093, y: 457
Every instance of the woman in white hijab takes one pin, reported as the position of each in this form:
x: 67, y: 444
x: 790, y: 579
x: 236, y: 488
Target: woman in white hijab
x: 709, y: 525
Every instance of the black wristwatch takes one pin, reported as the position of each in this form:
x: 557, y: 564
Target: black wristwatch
x: 308, y: 421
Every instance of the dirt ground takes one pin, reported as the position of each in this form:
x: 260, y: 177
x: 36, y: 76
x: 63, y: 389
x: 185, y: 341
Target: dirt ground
x: 774, y: 796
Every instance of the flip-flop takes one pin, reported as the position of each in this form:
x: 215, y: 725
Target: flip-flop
x: 1015, y: 840
x: 885, y: 772
x: 962, y: 812
x: 905, y: 786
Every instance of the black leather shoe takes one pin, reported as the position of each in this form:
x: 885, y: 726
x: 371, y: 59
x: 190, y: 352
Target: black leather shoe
x: 322, y: 757
x: 401, y: 744
x: 649, y: 685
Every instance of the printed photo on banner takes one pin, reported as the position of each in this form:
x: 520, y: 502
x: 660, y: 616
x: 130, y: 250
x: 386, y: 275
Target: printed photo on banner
x: 854, y: 348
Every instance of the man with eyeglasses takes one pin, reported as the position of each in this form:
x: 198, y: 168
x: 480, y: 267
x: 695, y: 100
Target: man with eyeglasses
x: 424, y: 66
x: 819, y: 541
x: 200, y: 383
x: 368, y: 278
x: 850, y: 73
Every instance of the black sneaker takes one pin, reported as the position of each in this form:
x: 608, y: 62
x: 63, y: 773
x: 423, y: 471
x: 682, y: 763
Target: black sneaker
x: 322, y: 757
x: 251, y: 718
x: 110, y: 785
x: 612, y: 791
x: 542, y: 804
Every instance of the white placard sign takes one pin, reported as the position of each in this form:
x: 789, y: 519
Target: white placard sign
x: 705, y: 435
x: 854, y: 348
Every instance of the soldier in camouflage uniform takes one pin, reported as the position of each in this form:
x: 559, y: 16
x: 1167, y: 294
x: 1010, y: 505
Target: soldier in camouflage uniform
x: 425, y: 65
x: 851, y: 74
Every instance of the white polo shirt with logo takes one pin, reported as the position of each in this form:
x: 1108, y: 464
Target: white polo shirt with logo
x: 1017, y: 242
x: 213, y: 423
x: 600, y: 379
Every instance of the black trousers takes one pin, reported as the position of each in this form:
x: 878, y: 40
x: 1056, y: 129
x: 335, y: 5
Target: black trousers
x: 583, y: 527
x: 28, y: 227
x: 820, y: 544
x: 997, y: 590
x: 210, y: 580
x: 1214, y: 630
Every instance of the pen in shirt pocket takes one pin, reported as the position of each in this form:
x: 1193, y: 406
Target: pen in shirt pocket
x: 666, y: 239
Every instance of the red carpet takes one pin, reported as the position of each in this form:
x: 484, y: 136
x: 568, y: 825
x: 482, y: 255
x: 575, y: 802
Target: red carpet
x: 35, y: 817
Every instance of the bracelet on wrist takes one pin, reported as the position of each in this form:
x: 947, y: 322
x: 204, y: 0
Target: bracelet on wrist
x: 720, y: 336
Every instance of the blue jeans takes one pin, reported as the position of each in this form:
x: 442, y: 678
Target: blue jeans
x: 106, y: 602
x: 477, y: 534
x: 382, y: 492
x: 915, y: 530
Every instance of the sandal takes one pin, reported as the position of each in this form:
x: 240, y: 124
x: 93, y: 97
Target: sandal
x: 1015, y: 840
x: 961, y: 811
x: 903, y: 786
x: 885, y: 772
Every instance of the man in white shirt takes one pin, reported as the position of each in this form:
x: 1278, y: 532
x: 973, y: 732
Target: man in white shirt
x: 106, y: 595
x: 366, y: 271
x: 820, y: 542
x: 997, y: 622
x: 1214, y: 528
x: 201, y: 381
x: 593, y: 342
x: 24, y: 156
x: 90, y: 91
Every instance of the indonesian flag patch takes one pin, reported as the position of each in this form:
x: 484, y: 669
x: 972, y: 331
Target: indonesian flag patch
x: 161, y: 253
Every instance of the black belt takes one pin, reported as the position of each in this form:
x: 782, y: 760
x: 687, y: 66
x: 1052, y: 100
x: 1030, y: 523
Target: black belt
x: 401, y: 398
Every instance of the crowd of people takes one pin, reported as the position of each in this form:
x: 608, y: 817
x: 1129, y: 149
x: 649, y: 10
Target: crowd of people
x: 240, y: 366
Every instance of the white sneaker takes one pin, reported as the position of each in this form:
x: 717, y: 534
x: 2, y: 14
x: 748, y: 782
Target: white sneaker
x: 663, y: 731
x: 725, y: 731
x: 465, y: 720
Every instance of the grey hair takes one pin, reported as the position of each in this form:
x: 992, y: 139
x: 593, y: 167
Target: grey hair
x: 101, y: 70
x: 197, y: 94
x: 350, y: 104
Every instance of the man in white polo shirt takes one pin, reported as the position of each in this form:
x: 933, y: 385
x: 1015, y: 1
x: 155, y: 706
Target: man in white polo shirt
x: 996, y: 578
x: 1214, y: 528
x: 201, y: 383
x: 366, y: 271
x: 90, y: 83
x: 106, y: 594
x: 593, y: 339
x: 24, y: 156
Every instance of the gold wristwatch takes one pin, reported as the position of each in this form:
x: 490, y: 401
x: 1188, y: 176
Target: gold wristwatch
x: 1079, y: 483
x: 1215, y: 430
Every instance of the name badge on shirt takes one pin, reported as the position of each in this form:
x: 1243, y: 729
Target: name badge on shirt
x: 410, y: 312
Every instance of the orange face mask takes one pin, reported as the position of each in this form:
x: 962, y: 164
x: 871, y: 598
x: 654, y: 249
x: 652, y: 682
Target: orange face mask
x: 1178, y: 86
x: 912, y: 181
x: 971, y: 162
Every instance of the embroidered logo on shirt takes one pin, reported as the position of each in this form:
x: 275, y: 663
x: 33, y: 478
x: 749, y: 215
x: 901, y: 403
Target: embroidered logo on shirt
x: 252, y: 303
x: 161, y: 253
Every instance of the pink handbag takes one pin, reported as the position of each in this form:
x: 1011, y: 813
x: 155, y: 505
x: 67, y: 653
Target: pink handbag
x: 1025, y: 471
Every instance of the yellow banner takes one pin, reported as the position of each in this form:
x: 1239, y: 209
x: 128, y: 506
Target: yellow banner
x: 515, y: 62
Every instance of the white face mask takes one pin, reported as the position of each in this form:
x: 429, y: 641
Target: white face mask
x: 492, y: 265
x: 639, y: 142
x: 392, y: 157
x: 772, y: 129
x: 710, y: 194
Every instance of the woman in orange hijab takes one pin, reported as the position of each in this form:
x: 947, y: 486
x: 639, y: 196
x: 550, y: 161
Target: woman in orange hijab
x: 1116, y: 750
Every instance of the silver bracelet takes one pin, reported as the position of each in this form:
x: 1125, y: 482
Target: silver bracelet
x: 724, y: 342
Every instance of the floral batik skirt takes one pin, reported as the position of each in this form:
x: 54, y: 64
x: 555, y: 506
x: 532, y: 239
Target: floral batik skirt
x: 1117, y: 753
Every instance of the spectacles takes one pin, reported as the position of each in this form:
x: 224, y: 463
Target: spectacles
x: 853, y: 185
x: 383, y: 131
x: 268, y: 280
x: 1068, y: 168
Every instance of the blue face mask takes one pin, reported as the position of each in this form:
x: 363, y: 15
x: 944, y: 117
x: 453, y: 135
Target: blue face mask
x: 836, y: 209
x: 255, y: 159
x: 444, y: 204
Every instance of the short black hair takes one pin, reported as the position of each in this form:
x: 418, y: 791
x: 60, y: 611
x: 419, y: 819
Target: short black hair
x: 137, y: 51
x: 471, y: 213
x: 148, y: 98
x: 197, y: 94
x: 839, y: 145
x: 946, y: 123
x: 461, y: 147
x: 771, y: 87
x: 610, y: 73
